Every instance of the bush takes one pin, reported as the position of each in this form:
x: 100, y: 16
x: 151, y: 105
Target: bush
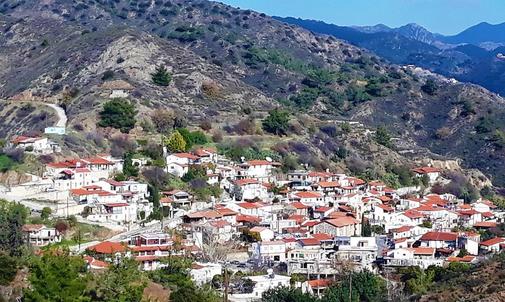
x: 161, y: 76
x: 121, y: 144
x: 119, y: 114
x: 206, y: 125
x: 430, y: 87
x: 245, y: 126
x: 176, y: 142
x: 46, y: 212
x: 163, y: 120
x: 277, y: 122
x: 383, y: 137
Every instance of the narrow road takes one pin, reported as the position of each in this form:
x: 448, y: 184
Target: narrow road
x: 62, y: 117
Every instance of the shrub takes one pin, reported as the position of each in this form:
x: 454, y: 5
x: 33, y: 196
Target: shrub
x: 245, y: 126
x: 443, y: 133
x: 430, y: 87
x: 119, y: 114
x: 206, y: 125
x: 383, y: 137
x: 163, y: 120
x: 107, y: 75
x: 121, y: 144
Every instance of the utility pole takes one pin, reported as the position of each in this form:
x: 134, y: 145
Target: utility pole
x: 350, y: 287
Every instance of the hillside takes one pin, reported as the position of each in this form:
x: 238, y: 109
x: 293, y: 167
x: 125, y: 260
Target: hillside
x: 461, y: 57
x: 224, y: 60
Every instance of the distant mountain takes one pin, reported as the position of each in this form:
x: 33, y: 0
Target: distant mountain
x: 480, y: 33
x: 413, y: 44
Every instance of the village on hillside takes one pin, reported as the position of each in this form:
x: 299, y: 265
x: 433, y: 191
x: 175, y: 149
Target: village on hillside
x: 297, y: 223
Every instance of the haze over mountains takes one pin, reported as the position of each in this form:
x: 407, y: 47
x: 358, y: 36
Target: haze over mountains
x: 474, y: 55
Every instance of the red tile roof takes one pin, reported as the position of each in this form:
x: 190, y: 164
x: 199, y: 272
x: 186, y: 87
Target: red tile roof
x: 186, y: 155
x: 329, y: 184
x: 439, y: 236
x: 426, y: 170
x: 321, y: 283
x: 108, y: 247
x: 298, y: 205
x: 342, y: 221
x: 485, y: 224
x: 248, y: 218
x: 322, y: 236
x: 308, y: 194
x: 249, y: 205
x: 309, y: 241
x: 246, y: 181
x: 32, y: 227
x: 493, y: 241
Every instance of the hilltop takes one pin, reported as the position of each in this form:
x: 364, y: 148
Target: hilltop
x: 224, y: 61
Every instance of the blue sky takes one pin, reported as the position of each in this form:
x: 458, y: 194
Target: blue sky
x: 442, y: 16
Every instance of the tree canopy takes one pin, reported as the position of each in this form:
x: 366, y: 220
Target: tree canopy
x: 277, y: 122
x: 161, y: 76
x: 118, y: 113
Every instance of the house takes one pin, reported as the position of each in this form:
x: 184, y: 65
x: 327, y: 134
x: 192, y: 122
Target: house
x: 432, y: 173
x: 120, y: 213
x: 420, y: 256
x: 260, y: 170
x: 262, y: 284
x: 317, y: 286
x: 35, y: 144
x: 40, y: 235
x: 207, y: 155
x: 116, y: 88
x: 265, y: 234
x: 269, y: 251
x: 108, y: 250
x: 439, y: 240
x: 361, y: 251
x: 493, y: 245
x: 342, y: 226
x: 178, y: 163
x: 249, y: 189
x: 309, y: 198
x: 202, y: 273
x: 298, y: 208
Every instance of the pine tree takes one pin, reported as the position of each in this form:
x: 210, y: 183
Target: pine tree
x: 161, y: 76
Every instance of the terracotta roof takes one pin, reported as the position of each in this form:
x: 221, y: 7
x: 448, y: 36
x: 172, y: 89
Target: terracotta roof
x: 423, y: 250
x: 320, y: 174
x: 329, y: 184
x: 32, y: 227
x: 97, y: 161
x: 322, y: 209
x: 246, y: 181
x: 342, y: 221
x: 439, y: 236
x: 321, y: 283
x: 258, y: 229
x: 248, y: 218
x: 298, y: 205
x: 249, y: 205
x: 413, y: 214
x: 308, y: 194
x: 95, y: 263
x: 108, y: 247
x: 467, y: 259
x: 219, y: 223
x: 402, y: 229
x: 186, y: 155
x: 322, y: 236
x: 426, y: 170
x: 493, y: 241
x: 226, y: 212
x: 309, y: 241
x: 385, y: 208
x: 116, y: 205
x: 208, y: 214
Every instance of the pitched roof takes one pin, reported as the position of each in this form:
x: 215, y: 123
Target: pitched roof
x: 248, y: 218
x: 308, y: 194
x: 439, y: 236
x: 320, y: 283
x: 246, y: 181
x: 412, y: 214
x: 108, y: 247
x: 485, y: 224
x: 426, y: 170
x: 329, y: 184
x: 249, y: 205
x: 298, y: 205
x: 402, y: 229
x: 423, y: 250
x: 186, y: 155
x: 309, y: 241
x: 342, y: 221
x: 493, y: 241
x: 32, y: 227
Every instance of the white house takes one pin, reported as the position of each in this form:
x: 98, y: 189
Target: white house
x: 262, y: 284
x: 264, y: 233
x: 248, y: 189
x: 432, y: 173
x: 269, y: 251
x: 420, y: 256
x: 341, y: 226
x: 202, y: 273
x: 40, y: 235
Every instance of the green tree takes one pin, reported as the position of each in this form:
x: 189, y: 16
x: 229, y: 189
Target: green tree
x: 122, y: 282
x: 286, y: 294
x: 8, y: 268
x: 161, y: 76
x: 46, y: 212
x: 118, y: 113
x: 383, y: 137
x: 12, y: 217
x: 277, y: 122
x: 176, y: 142
x: 129, y: 170
x: 57, y: 277
x: 194, y: 172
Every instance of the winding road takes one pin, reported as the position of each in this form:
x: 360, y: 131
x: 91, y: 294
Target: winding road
x: 62, y: 116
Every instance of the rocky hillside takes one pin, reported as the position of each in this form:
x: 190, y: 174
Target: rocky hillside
x: 224, y: 60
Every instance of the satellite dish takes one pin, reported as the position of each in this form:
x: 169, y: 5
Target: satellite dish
x: 268, y: 159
